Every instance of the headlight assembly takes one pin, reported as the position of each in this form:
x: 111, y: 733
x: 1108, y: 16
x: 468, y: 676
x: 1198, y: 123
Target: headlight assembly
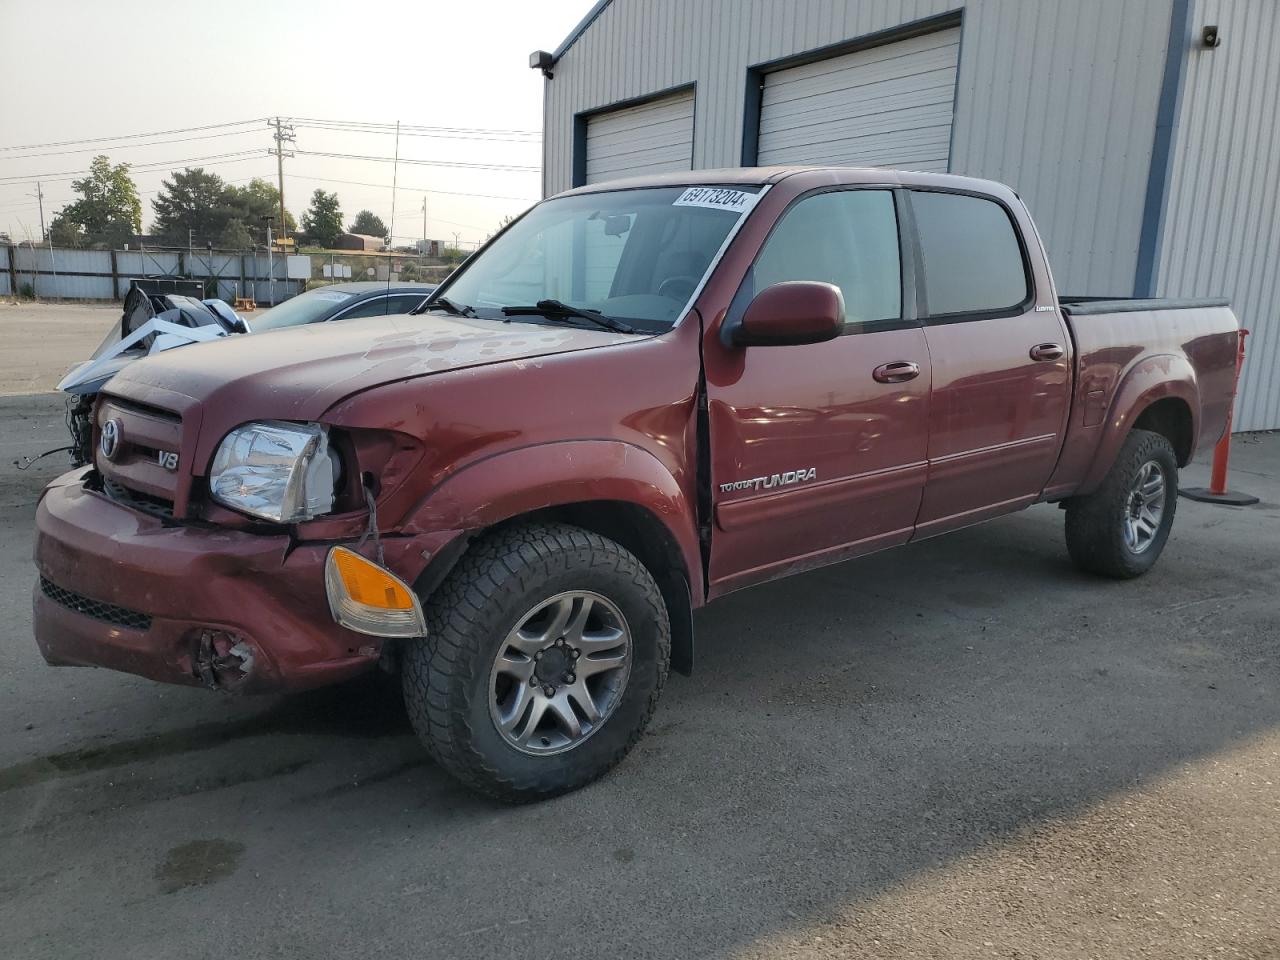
x: 274, y: 470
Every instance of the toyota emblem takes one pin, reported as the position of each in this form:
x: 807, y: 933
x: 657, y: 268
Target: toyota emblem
x: 109, y: 442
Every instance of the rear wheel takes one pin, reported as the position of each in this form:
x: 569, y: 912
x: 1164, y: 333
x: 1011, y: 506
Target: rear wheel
x: 547, y: 649
x: 1120, y: 529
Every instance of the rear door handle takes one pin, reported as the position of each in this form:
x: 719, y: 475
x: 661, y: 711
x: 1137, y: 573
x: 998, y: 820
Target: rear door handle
x: 1047, y: 351
x: 899, y: 372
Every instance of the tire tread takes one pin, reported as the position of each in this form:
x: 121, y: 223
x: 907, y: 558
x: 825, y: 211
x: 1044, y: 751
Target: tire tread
x: 439, y: 668
x: 1094, y: 540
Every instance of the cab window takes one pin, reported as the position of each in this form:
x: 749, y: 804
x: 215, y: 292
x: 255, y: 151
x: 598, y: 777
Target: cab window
x: 848, y: 238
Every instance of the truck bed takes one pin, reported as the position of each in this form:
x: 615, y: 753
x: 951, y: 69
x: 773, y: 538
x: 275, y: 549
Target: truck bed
x: 1132, y: 352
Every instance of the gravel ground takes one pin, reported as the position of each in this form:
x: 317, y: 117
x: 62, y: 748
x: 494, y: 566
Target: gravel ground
x: 961, y: 748
x: 42, y: 341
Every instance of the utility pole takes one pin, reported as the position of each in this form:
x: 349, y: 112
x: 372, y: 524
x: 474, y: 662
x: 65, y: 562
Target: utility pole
x: 424, y: 225
x: 40, y: 200
x: 271, y: 265
x: 284, y: 134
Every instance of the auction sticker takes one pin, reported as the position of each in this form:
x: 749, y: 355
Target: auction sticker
x: 717, y: 198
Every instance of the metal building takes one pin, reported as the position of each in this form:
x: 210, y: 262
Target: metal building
x: 1145, y: 142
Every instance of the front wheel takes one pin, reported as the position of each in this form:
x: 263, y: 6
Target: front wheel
x: 546, y: 651
x: 1120, y: 529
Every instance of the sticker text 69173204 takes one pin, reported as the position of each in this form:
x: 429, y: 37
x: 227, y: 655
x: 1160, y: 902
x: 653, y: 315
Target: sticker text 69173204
x: 717, y: 198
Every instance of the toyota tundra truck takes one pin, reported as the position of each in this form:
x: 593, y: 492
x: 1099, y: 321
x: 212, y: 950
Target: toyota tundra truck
x: 637, y: 398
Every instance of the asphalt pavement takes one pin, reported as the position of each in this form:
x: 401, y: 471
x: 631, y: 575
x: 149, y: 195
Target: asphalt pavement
x: 961, y: 748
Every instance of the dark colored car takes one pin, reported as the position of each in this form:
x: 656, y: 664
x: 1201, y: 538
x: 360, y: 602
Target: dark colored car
x: 343, y: 301
x: 635, y: 399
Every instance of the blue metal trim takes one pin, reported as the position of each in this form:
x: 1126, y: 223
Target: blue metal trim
x: 955, y: 95
x: 751, y: 117
x: 1175, y: 71
x: 578, y: 176
x: 580, y: 29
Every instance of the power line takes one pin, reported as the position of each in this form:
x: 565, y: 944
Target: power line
x: 477, y: 138
x: 136, y: 136
x: 509, y: 168
x: 29, y: 205
x: 363, y: 124
x: 383, y: 186
x: 208, y: 161
x: 132, y: 146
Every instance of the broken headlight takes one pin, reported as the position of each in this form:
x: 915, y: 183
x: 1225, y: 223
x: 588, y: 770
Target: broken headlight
x: 276, y: 471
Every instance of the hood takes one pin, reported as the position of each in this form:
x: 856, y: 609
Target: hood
x: 299, y: 372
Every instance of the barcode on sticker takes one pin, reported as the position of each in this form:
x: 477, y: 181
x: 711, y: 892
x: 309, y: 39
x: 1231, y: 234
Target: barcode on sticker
x: 717, y: 198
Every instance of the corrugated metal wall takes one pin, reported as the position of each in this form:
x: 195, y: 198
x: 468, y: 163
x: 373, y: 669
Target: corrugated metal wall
x: 59, y: 273
x: 1221, y: 234
x: 1057, y: 99
x: 66, y: 274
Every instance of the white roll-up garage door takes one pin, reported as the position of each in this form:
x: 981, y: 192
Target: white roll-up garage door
x: 653, y: 137
x: 886, y: 106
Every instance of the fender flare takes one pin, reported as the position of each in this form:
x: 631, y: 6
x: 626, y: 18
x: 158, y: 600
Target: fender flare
x: 1152, y: 379
x: 567, y: 473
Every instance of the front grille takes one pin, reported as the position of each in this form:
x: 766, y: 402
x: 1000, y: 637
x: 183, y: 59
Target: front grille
x: 105, y: 612
x: 144, y: 409
x: 156, y: 506
x: 135, y: 474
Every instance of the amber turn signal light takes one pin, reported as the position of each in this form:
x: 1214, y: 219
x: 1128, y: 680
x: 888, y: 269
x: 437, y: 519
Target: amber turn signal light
x: 368, y: 598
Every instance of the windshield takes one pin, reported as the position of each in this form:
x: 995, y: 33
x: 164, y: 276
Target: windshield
x: 634, y: 255
x: 304, y: 308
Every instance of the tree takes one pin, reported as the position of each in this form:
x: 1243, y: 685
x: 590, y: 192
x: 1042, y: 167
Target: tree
x: 190, y: 206
x: 108, y: 212
x: 502, y: 225
x: 235, y: 235
x: 323, y: 220
x: 250, y: 203
x: 370, y: 224
x: 64, y: 233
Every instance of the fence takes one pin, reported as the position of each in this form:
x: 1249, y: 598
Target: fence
x: 66, y: 274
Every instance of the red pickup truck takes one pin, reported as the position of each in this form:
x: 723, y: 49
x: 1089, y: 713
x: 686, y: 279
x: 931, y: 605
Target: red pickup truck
x: 637, y: 398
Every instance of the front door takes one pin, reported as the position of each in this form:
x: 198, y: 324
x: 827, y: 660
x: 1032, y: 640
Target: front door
x: 818, y: 452
x: 1001, y: 364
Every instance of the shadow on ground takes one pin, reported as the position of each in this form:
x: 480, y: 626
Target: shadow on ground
x: 846, y: 731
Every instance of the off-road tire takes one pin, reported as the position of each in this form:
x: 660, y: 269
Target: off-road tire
x: 446, y: 675
x: 1095, y: 537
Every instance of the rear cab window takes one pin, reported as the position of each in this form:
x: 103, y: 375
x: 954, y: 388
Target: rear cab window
x: 974, y: 263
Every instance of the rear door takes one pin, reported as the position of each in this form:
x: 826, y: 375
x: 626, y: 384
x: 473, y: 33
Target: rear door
x: 1001, y: 364
x: 818, y: 451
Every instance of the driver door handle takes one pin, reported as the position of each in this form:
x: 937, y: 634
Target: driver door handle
x: 1047, y: 351
x: 898, y: 372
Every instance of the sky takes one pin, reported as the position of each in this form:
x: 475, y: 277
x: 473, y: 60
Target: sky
x: 71, y: 70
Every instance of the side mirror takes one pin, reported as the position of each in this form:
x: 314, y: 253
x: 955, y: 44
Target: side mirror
x: 793, y: 312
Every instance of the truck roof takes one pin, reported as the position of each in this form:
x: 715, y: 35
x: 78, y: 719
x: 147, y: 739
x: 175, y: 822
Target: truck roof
x: 360, y: 286
x: 756, y: 176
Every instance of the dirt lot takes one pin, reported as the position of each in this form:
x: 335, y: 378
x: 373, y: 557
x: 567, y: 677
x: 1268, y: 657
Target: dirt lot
x: 961, y: 748
x: 43, y: 340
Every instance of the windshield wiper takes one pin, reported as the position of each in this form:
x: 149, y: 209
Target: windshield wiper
x: 449, y: 306
x: 558, y: 308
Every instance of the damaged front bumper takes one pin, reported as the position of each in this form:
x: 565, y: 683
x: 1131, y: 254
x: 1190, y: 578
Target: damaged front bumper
x: 190, y: 604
